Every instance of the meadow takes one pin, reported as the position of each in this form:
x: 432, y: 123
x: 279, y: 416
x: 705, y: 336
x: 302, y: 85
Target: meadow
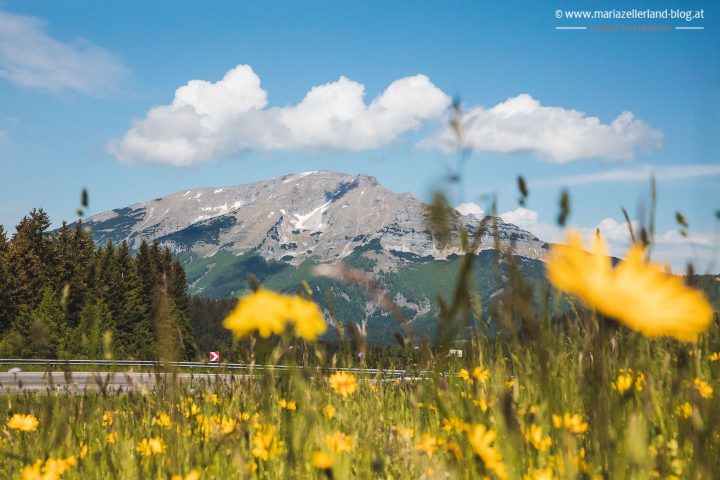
x: 576, y: 396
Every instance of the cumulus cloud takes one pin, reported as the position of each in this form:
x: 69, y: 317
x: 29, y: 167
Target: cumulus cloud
x: 669, y: 247
x: 522, y: 124
x: 214, y: 120
x: 31, y: 58
x: 471, y: 208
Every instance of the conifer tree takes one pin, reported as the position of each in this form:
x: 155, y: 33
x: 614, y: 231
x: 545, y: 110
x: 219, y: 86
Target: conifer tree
x: 95, y: 320
x: 6, y: 308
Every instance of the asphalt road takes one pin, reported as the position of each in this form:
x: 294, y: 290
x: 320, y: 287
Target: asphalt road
x: 94, y: 381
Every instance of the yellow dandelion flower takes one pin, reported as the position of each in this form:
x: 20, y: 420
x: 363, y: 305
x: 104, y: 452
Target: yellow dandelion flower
x: 703, y: 388
x: 329, y: 411
x: 480, y: 374
x: 638, y: 294
x: 684, y: 410
x: 535, y: 437
x: 573, y: 423
x: 150, y: 446
x: 482, y: 442
x: 287, y: 405
x: 162, y: 420
x: 111, y: 437
x: 268, y: 313
x: 265, y: 444
x: 343, y: 383
x: 623, y: 382
x: 464, y: 374
x: 107, y: 419
x: 427, y: 444
x: 323, y: 460
x: 24, y: 423
x: 338, y: 442
x: 228, y: 425
x: 307, y: 318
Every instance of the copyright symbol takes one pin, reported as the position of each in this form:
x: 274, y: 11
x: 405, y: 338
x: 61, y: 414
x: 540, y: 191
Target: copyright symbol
x: 558, y: 13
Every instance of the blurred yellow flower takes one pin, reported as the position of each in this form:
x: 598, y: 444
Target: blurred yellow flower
x: 329, y: 411
x: 107, y: 419
x: 427, y: 444
x: 715, y: 356
x: 684, y: 410
x: 323, y: 460
x: 52, y: 469
x: 627, y: 379
x: 545, y: 474
x: 535, y: 436
x: 454, y: 424
x: 150, y: 446
x: 482, y: 442
x: 343, y: 383
x: 287, y: 404
x: 338, y: 442
x: 640, y: 295
x: 464, y: 374
x: 192, y: 475
x: 269, y: 313
x: 574, y: 423
x: 228, y: 425
x: 265, y: 444
x: 162, y: 420
x: 703, y: 388
x: 111, y: 437
x: 481, y: 374
x: 24, y: 423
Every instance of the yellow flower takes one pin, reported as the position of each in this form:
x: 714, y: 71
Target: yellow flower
x: 323, y: 460
x: 454, y: 424
x: 107, y: 419
x: 192, y: 475
x: 343, y: 383
x: 714, y: 357
x: 307, y: 318
x: 545, y: 474
x: 265, y: 445
x: 338, y: 442
x: 228, y: 425
x: 623, y: 382
x: 573, y: 423
x: 288, y: 404
x: 481, y: 374
x: 150, y: 446
x: 482, y: 442
x: 329, y: 411
x: 24, y: 423
x: 52, y: 469
x: 703, y: 388
x: 427, y: 444
x: 684, y: 410
x: 406, y: 433
x: 162, y: 420
x: 269, y: 313
x: 638, y: 294
x: 112, y: 437
x: 535, y: 436
x: 464, y: 374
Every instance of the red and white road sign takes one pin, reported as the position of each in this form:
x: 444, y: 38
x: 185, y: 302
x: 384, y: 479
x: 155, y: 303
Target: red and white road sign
x: 214, y: 357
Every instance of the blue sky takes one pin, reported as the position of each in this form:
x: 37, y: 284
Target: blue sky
x: 109, y: 63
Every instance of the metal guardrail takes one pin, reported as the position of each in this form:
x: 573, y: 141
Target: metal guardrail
x: 223, y: 366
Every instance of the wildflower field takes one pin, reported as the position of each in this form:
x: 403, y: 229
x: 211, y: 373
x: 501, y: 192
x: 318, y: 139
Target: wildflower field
x: 626, y: 386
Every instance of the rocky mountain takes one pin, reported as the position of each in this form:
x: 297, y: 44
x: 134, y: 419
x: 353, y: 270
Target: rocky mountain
x: 280, y: 229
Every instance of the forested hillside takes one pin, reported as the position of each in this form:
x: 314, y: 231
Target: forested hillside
x: 63, y: 297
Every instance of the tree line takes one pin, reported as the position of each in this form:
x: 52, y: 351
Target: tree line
x: 61, y: 296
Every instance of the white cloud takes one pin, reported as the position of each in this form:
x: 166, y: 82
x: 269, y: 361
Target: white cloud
x: 215, y: 120
x: 471, y: 208
x: 641, y: 173
x: 669, y: 247
x: 522, y: 124
x: 31, y: 58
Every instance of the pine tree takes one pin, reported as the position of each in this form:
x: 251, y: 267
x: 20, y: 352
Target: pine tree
x: 43, y: 329
x: 30, y: 263
x: 132, y: 319
x: 95, y: 320
x: 6, y: 307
